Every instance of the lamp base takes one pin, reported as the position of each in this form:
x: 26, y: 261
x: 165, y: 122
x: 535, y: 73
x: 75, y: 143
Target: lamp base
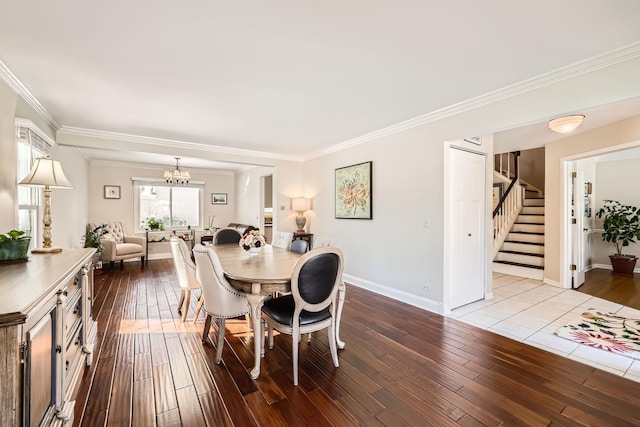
x: 45, y: 250
x: 300, y: 222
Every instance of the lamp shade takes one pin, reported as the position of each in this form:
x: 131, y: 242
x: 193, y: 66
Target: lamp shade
x: 566, y: 124
x: 300, y: 204
x: 46, y: 171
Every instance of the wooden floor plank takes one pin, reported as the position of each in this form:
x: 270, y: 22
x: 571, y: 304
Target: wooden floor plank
x: 401, y: 366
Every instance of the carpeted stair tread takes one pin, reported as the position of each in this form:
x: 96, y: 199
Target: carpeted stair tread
x: 525, y: 232
x: 518, y: 264
x: 523, y: 243
x: 522, y: 253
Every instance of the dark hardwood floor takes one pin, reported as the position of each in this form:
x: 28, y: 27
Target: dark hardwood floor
x: 619, y: 288
x: 401, y: 366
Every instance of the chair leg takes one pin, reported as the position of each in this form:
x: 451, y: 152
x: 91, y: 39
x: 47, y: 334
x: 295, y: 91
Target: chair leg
x: 270, y: 329
x: 247, y: 317
x: 207, y: 326
x: 295, y: 343
x: 221, y: 330
x: 186, y: 306
x: 181, y: 301
x: 309, y: 337
x: 200, y: 303
x: 332, y: 342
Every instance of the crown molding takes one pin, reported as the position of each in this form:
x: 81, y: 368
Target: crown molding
x: 137, y: 139
x: 15, y: 84
x: 623, y: 54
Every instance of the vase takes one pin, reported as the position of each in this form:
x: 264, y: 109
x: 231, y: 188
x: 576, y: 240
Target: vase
x: 15, y: 250
x: 255, y: 251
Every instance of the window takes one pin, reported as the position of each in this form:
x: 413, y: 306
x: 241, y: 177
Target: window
x: 175, y: 207
x: 32, y: 143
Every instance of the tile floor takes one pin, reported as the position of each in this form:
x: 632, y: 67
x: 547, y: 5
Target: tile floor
x: 530, y: 311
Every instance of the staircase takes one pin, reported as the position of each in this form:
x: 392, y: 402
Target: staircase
x: 522, y: 252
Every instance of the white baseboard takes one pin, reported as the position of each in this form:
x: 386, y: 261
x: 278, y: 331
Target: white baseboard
x: 159, y: 256
x: 396, y: 294
x: 608, y: 267
x: 551, y: 282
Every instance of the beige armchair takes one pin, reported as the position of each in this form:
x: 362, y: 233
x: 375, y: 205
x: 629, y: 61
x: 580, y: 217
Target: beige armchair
x: 118, y: 246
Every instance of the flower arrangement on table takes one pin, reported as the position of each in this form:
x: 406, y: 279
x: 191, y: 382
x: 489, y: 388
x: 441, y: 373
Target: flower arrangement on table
x: 253, y: 241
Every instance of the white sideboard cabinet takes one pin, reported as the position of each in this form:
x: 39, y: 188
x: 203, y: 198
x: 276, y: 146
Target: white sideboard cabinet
x: 47, y: 335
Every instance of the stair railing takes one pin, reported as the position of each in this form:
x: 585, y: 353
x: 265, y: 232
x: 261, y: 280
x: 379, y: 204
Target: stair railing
x: 510, y: 204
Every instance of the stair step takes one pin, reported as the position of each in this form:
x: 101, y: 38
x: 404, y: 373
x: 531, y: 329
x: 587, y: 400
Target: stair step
x: 525, y: 237
x: 530, y: 219
x: 533, y: 201
x: 528, y: 248
x: 532, y: 210
x: 520, y: 258
x: 527, y: 228
x: 535, y: 273
x: 518, y: 264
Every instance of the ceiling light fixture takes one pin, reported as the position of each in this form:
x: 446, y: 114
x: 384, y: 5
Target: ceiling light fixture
x: 177, y: 176
x: 566, y: 124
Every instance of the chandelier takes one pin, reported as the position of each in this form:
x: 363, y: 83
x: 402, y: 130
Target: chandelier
x: 177, y: 176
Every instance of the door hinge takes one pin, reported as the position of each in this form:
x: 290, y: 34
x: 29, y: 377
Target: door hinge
x: 572, y: 267
x: 23, y: 351
x: 573, y: 220
x: 574, y: 174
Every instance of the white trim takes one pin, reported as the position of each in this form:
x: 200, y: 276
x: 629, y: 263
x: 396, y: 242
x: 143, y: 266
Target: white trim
x: 26, y: 123
x: 172, y: 143
x: 396, y: 294
x: 610, y: 268
x: 551, y: 282
x: 586, y: 66
x: 15, y: 84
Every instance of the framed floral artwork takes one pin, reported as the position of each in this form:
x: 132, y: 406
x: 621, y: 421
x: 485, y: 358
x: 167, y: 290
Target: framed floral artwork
x: 353, y: 191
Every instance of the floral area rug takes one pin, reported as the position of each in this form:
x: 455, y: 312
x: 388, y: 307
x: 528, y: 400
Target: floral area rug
x: 606, y: 331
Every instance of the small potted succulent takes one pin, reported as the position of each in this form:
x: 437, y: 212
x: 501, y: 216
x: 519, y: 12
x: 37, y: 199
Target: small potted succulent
x: 14, y: 246
x: 621, y: 227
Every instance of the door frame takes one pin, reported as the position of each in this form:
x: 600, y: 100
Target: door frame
x: 565, y: 226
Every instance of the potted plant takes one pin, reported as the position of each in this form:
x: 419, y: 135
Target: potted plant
x: 93, y: 239
x: 14, y: 246
x: 154, y: 224
x: 621, y: 227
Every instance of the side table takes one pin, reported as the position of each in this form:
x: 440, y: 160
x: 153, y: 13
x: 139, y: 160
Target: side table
x: 304, y: 236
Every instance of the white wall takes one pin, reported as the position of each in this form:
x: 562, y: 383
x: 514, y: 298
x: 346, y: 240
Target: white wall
x: 616, y: 180
x: 69, y: 207
x: 8, y: 159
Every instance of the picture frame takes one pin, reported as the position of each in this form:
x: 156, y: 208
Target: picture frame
x: 111, y: 191
x: 353, y: 191
x: 218, y: 198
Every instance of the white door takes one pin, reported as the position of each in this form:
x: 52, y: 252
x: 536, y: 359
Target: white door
x: 467, y: 219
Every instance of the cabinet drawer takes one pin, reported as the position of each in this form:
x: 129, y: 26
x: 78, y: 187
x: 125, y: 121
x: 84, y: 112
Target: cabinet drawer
x: 72, y: 285
x: 73, y: 313
x: 73, y: 349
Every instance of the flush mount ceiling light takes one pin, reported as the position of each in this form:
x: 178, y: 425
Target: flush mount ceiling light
x: 566, y: 124
x: 177, y: 176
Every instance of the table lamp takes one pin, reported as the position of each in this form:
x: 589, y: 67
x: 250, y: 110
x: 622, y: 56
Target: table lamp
x: 300, y: 204
x: 48, y: 173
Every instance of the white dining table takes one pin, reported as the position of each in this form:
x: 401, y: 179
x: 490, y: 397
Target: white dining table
x: 260, y: 275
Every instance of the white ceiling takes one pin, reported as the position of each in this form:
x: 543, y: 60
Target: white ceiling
x: 290, y: 77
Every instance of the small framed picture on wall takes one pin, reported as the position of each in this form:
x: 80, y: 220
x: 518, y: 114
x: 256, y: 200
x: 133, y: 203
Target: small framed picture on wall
x: 111, y: 191
x: 218, y: 198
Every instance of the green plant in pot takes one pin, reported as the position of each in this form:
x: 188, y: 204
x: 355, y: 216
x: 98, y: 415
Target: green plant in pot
x: 154, y: 224
x: 621, y: 227
x: 14, y: 246
x: 93, y: 239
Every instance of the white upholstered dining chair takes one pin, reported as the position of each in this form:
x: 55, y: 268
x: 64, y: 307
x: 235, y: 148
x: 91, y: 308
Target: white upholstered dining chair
x: 186, y: 271
x: 221, y: 300
x: 312, y: 303
x: 282, y: 239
